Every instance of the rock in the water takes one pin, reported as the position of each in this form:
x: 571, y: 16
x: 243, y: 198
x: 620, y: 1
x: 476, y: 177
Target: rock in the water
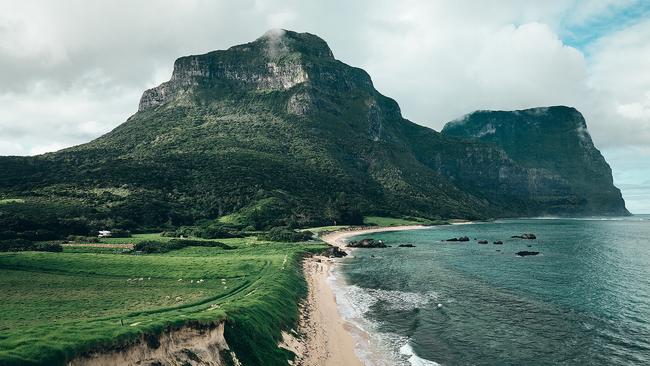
x: 406, y: 246
x: 334, y: 252
x: 367, y: 243
x: 525, y: 253
x: 498, y: 242
x: 482, y: 241
x: 525, y: 236
x: 462, y: 238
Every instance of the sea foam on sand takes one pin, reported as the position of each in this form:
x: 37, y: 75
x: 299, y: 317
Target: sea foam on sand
x: 373, y: 347
x: 414, y: 360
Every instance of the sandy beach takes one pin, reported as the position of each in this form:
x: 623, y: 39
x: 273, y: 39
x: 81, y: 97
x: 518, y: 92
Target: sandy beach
x: 326, y: 337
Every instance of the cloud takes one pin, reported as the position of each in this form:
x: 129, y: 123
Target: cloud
x: 44, y: 119
x: 618, y: 75
x: 501, y: 67
x: 501, y: 55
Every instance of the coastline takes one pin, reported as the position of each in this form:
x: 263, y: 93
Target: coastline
x: 327, y: 338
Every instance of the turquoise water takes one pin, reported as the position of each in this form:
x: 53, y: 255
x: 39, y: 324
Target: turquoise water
x: 584, y: 301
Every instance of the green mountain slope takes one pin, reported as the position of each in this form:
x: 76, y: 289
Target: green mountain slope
x: 280, y: 130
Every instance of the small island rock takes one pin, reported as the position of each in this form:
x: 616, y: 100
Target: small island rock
x: 367, y: 243
x: 525, y: 253
x: 462, y: 238
x: 525, y: 236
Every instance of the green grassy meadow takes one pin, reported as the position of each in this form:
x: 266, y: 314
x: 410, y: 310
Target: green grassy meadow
x: 393, y: 221
x: 57, y: 305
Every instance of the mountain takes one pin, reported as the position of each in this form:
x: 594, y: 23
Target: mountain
x: 553, y: 143
x: 279, y: 132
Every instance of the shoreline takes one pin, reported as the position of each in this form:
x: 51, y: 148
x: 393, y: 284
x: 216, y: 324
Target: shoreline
x: 327, y: 338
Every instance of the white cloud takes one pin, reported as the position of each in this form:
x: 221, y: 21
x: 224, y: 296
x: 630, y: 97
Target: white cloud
x: 618, y: 75
x: 440, y: 63
x: 43, y: 119
x: 636, y: 110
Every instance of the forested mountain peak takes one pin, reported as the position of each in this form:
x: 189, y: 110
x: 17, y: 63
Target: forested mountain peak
x: 278, y: 132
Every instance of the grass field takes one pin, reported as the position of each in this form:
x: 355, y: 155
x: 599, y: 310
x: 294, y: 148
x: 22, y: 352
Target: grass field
x: 56, y: 305
x: 5, y: 201
x: 320, y: 229
x: 392, y: 221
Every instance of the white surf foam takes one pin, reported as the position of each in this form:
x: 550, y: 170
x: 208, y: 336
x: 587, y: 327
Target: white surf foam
x: 413, y: 359
x: 373, y: 347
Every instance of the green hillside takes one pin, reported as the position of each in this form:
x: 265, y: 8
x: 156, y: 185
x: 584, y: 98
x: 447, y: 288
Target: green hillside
x: 56, y: 306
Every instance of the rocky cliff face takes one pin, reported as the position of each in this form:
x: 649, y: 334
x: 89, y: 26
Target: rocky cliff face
x: 559, y: 163
x: 277, y: 61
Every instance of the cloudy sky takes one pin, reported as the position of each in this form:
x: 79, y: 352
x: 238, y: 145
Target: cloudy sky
x: 73, y: 70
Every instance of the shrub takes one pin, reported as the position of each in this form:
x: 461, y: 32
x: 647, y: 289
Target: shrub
x: 152, y: 246
x: 216, y: 231
x: 15, y: 245
x: 82, y: 239
x: 20, y: 245
x: 38, y: 235
x: 9, y: 234
x: 48, y: 247
x: 283, y: 233
x: 120, y: 233
x: 199, y: 243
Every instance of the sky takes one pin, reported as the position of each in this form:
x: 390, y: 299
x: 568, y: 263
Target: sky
x: 72, y: 70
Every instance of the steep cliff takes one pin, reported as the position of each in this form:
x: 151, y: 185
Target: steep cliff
x: 565, y: 171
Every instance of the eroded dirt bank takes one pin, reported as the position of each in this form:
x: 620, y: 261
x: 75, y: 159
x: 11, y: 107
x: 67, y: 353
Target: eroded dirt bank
x: 190, y: 345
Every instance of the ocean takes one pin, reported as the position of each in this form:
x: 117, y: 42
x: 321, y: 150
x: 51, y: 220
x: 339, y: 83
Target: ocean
x: 584, y: 300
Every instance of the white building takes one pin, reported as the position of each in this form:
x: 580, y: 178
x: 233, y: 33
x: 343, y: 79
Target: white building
x: 104, y: 233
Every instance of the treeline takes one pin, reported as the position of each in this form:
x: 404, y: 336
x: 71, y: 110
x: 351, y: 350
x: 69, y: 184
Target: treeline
x: 153, y: 246
x: 21, y: 245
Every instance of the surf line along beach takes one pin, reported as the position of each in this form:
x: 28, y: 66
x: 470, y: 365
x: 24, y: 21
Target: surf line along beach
x: 328, y: 339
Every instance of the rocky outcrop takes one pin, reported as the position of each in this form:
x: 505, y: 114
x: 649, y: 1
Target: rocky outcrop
x: 277, y: 61
x: 367, y: 243
x: 525, y: 253
x: 462, y: 238
x: 273, y: 63
x: 334, y: 252
x: 525, y: 236
x: 190, y: 345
